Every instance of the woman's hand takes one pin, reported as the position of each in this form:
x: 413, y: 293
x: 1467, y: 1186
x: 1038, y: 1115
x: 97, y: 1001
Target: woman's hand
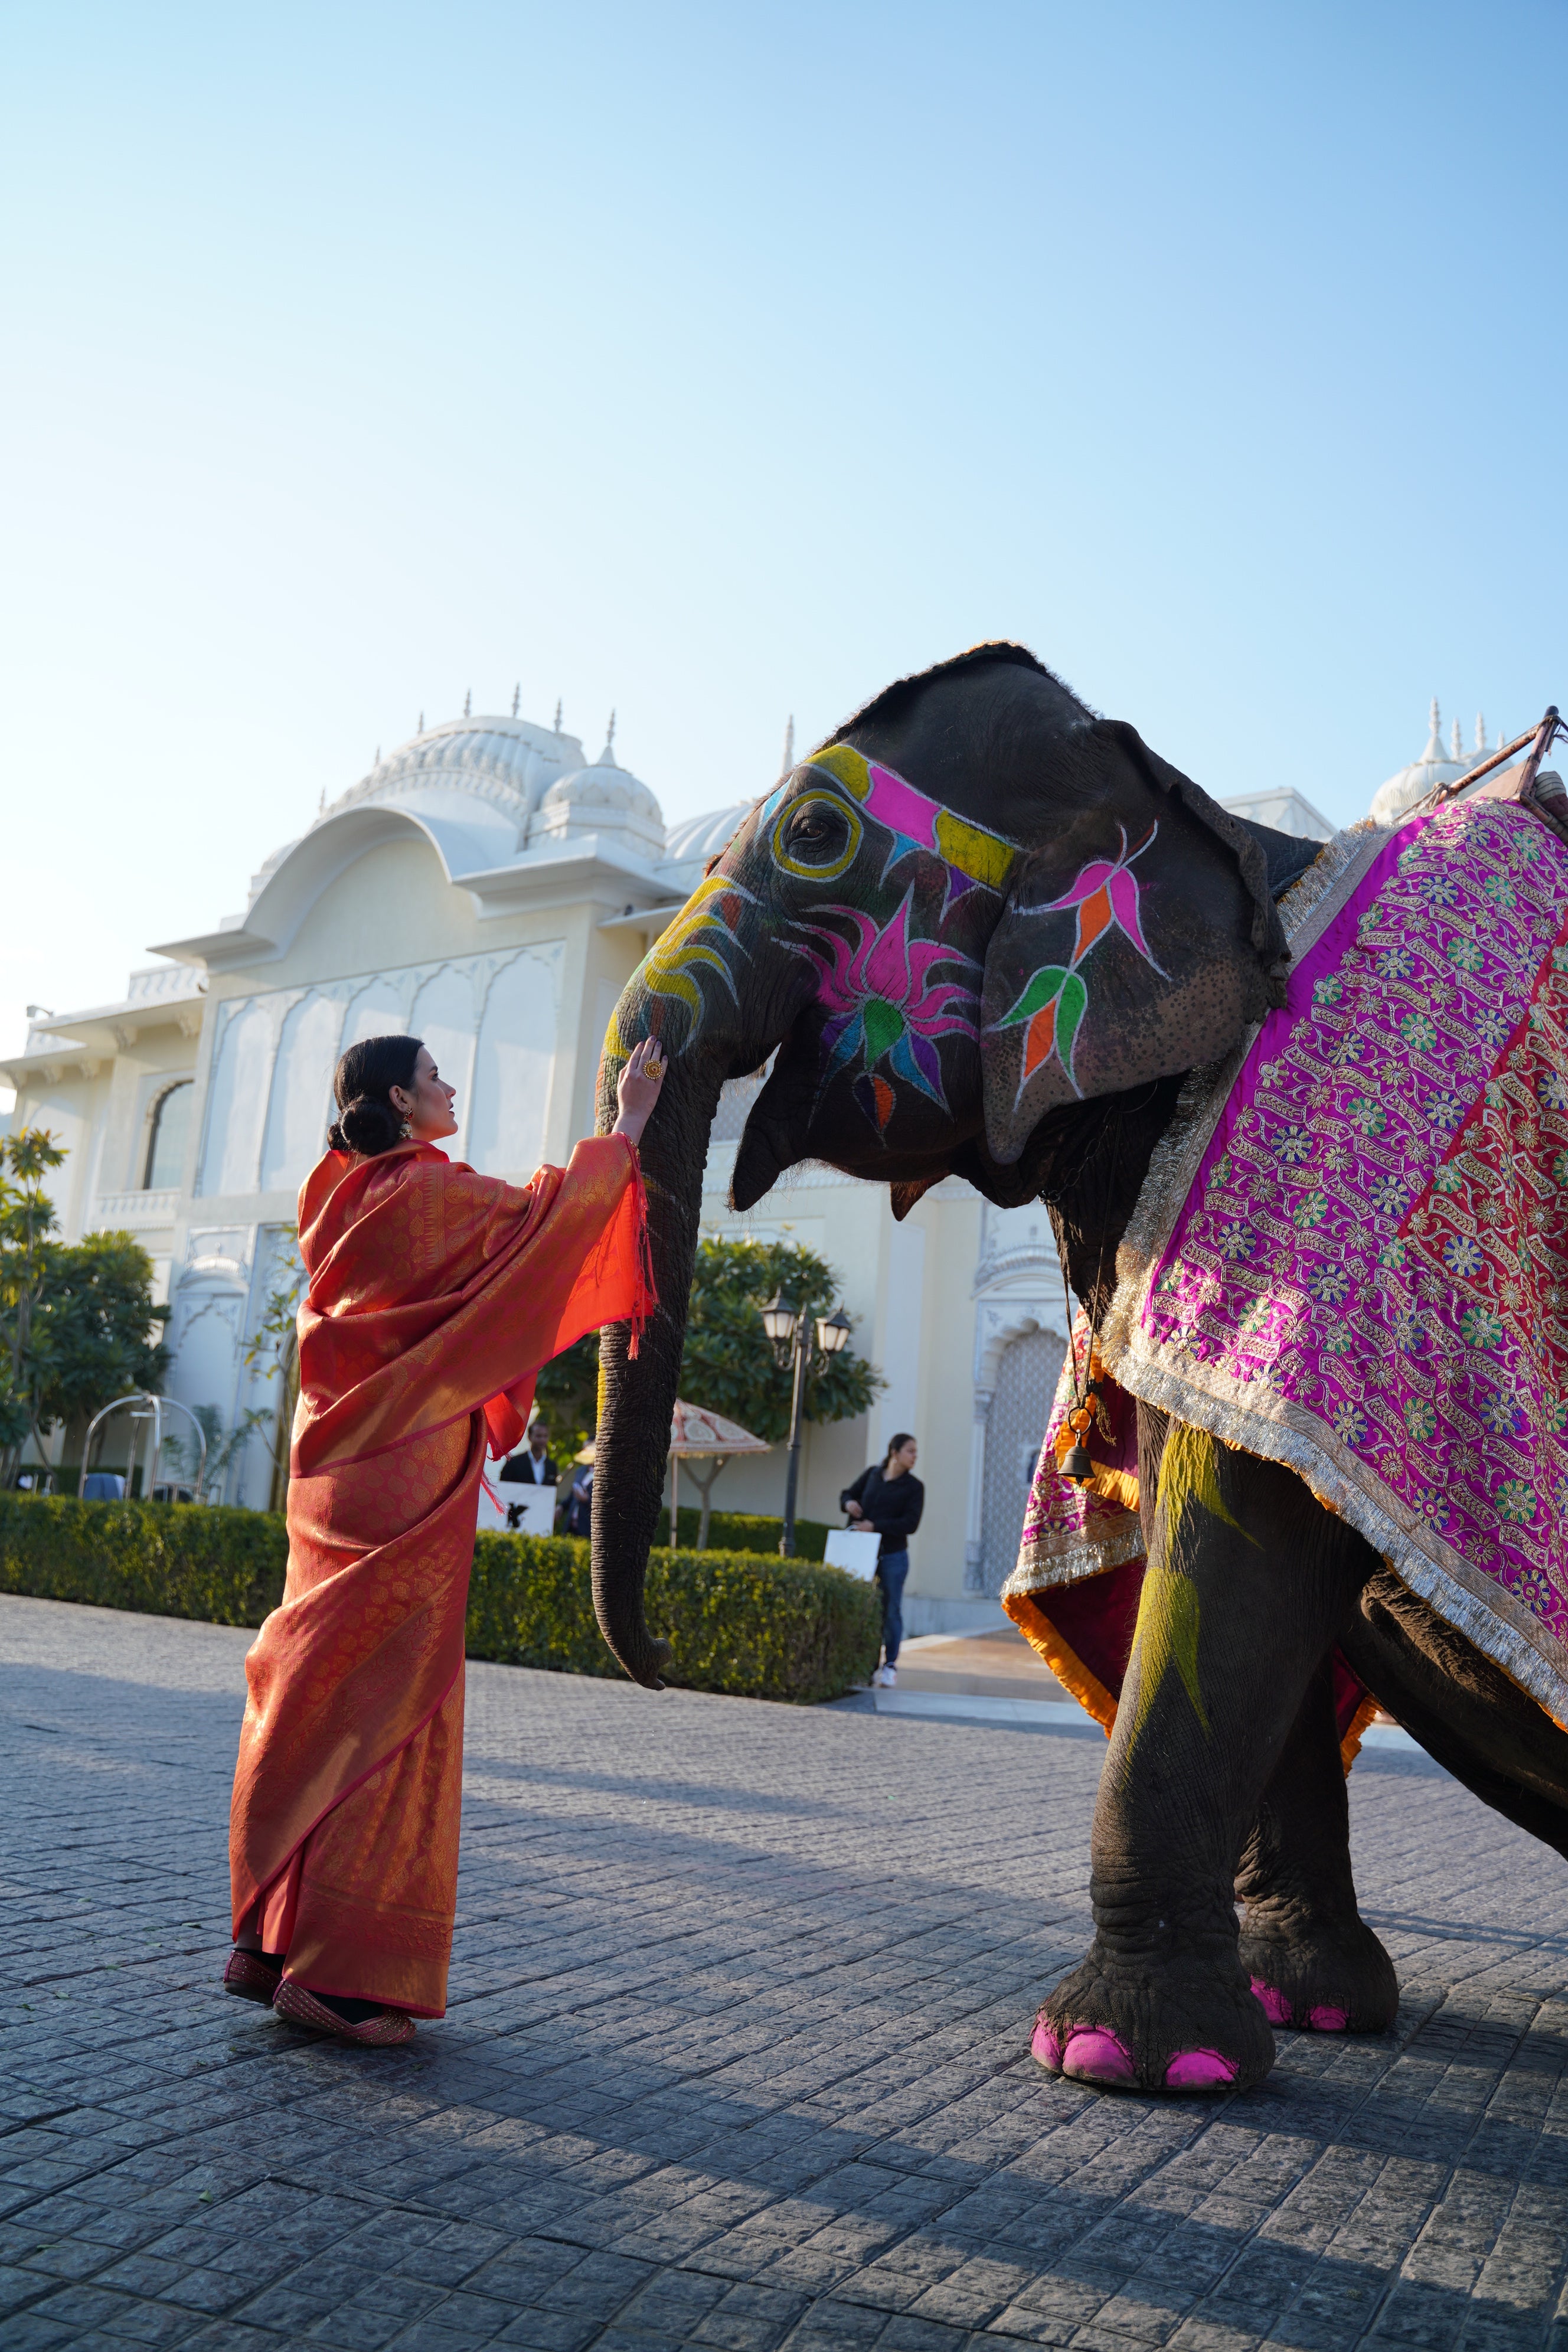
x: 642, y: 1082
x: 854, y: 1510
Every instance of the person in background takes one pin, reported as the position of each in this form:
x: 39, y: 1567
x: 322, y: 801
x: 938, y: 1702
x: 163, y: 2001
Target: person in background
x: 889, y: 1502
x: 533, y: 1468
x: 580, y: 1502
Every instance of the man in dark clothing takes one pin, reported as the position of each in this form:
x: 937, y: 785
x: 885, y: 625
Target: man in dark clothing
x: 580, y: 1503
x: 534, y: 1468
x: 889, y: 1502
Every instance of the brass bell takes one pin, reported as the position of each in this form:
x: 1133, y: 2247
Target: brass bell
x: 1076, y: 1464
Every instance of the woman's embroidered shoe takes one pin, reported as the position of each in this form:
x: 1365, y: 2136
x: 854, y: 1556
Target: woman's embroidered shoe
x: 385, y: 2030
x: 252, y: 1976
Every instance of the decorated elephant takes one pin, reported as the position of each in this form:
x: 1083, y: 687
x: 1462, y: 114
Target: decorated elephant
x: 1300, y: 1115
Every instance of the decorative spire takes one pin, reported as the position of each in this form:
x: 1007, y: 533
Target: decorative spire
x: 322, y: 803
x: 1434, y: 740
x: 468, y: 704
x: 1482, y: 735
x: 516, y: 696
x: 421, y: 722
x: 1455, y: 743
x: 607, y: 756
x: 789, y: 746
x: 558, y: 714
x: 376, y: 761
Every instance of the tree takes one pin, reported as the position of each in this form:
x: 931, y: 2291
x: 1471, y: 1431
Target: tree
x: 79, y: 1323
x: 27, y: 1219
x: 728, y: 1365
x: 96, y: 1331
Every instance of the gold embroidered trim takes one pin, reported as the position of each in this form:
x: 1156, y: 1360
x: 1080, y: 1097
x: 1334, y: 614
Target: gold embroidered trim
x: 1040, y: 1565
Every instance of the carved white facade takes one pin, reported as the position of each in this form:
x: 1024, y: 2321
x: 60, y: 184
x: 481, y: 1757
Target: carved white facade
x: 490, y: 890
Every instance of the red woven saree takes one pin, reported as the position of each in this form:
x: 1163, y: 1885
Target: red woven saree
x: 435, y: 1295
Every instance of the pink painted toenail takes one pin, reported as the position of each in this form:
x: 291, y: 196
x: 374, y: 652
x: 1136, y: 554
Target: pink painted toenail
x: 1326, y: 2019
x: 1095, y: 2056
x: 1199, y: 2070
x: 1046, y: 2045
x: 1275, y: 2008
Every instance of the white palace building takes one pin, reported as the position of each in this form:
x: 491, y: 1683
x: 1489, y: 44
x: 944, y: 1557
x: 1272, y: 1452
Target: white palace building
x: 522, y: 885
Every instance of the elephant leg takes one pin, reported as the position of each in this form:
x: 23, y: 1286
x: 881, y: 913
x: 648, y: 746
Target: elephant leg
x: 1248, y: 1582
x: 1312, y: 1958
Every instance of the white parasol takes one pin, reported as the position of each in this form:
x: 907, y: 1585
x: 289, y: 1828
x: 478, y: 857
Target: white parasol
x: 698, y: 1435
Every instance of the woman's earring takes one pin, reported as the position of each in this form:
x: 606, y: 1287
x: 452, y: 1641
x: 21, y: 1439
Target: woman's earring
x: 407, y: 1132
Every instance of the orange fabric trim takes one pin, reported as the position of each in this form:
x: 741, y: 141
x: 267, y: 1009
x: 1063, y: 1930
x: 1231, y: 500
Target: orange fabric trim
x: 1115, y: 1486
x: 1350, y: 1746
x: 1064, y: 1662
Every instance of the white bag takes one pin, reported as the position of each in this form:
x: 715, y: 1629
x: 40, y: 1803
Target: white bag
x: 536, y: 1517
x: 855, y: 1548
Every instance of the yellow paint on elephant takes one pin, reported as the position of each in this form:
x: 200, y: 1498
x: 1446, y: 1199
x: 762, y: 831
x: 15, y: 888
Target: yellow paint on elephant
x: 983, y: 856
x: 1167, y: 1632
x: 1189, y: 1473
x: 853, y: 771
x: 1168, y: 1611
x: 615, y: 1048
x: 690, y: 943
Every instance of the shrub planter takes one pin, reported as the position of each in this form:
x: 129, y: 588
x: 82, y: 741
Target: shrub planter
x: 747, y: 1623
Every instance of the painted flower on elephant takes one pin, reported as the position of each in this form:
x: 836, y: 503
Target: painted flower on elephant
x: 1053, y: 1001
x: 886, y: 1004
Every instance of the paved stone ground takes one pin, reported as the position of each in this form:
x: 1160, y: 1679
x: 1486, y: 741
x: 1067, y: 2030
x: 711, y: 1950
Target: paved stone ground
x: 736, y: 2057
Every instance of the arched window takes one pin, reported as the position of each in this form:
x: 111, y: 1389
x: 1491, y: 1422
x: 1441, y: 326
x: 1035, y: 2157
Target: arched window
x: 171, y: 1132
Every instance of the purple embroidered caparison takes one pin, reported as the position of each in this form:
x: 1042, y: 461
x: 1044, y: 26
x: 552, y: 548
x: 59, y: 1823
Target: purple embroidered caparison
x: 1351, y: 1254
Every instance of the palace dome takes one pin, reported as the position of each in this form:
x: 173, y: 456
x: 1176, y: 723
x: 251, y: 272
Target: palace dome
x: 705, y: 836
x: 604, y: 799
x: 1437, y: 765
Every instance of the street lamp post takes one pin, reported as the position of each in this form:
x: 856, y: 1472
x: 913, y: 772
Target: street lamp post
x: 789, y: 1329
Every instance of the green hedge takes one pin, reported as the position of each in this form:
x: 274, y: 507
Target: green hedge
x: 745, y: 1531
x: 166, y: 1559
x: 745, y: 1622
x: 750, y: 1625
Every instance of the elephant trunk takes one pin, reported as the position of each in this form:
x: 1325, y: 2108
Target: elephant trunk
x: 637, y: 1394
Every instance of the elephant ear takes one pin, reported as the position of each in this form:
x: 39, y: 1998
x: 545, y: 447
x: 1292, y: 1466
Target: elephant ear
x: 1139, y: 938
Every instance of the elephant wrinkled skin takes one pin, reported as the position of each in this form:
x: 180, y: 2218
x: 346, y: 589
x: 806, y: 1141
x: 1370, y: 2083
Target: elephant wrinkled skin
x: 986, y: 933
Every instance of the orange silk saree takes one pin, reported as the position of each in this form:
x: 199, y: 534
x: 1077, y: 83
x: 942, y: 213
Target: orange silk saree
x: 435, y: 1295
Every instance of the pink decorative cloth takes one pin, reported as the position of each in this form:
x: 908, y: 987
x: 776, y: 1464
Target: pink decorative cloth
x: 1351, y: 1253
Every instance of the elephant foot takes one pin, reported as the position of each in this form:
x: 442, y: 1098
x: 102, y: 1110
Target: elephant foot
x: 1323, y: 1977
x: 1183, y: 2026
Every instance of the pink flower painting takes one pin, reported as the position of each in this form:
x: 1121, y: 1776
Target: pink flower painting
x: 886, y: 1003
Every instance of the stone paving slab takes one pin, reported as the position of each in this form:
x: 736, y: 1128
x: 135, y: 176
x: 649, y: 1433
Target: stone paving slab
x: 736, y: 2056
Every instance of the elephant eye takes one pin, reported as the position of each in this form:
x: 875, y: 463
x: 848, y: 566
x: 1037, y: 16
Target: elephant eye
x: 817, y: 837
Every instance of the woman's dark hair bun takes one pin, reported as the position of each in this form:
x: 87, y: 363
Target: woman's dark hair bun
x: 368, y: 1122
x: 367, y: 1127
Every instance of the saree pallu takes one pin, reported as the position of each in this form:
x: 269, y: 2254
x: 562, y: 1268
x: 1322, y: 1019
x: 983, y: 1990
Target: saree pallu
x: 435, y: 1295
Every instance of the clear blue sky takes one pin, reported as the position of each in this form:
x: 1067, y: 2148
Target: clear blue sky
x: 718, y: 362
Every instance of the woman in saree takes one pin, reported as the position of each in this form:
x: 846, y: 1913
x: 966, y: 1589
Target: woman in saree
x: 435, y: 1295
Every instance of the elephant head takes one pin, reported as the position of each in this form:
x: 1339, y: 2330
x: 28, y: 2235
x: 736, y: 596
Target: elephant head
x: 978, y: 906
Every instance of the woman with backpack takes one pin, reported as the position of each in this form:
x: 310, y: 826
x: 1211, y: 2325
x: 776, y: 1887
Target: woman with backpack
x: 888, y: 1501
